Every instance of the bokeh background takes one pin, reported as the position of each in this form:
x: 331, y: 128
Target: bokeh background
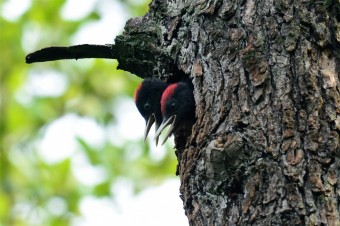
x: 71, y: 147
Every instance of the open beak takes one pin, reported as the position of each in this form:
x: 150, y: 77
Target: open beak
x: 149, y: 123
x: 171, y: 121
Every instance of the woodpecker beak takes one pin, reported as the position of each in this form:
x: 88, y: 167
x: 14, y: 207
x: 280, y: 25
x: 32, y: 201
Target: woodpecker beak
x: 149, y: 123
x: 156, y: 128
x: 171, y: 121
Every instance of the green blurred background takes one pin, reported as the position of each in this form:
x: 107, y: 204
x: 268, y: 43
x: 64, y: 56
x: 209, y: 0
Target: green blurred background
x: 68, y: 129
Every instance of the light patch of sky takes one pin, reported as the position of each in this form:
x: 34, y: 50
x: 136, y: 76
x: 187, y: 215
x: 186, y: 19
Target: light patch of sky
x: 13, y: 9
x: 56, y: 206
x: 27, y: 211
x: 154, y: 206
x: 83, y: 9
x: 59, y: 140
x: 158, y: 152
x: 31, y: 33
x: 86, y: 173
x: 130, y: 126
x: 113, y: 18
x: 128, y: 119
x: 47, y: 83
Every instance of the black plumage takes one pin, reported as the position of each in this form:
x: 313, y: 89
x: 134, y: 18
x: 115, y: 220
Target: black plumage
x: 177, y: 107
x: 147, y: 98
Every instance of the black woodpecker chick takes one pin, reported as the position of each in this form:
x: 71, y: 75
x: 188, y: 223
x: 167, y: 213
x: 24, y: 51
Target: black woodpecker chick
x: 177, y: 106
x: 147, y: 98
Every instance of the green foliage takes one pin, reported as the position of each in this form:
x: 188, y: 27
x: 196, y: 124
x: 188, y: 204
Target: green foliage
x: 35, y: 191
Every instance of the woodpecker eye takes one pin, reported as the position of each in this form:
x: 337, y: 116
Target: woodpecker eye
x: 147, y: 106
x: 173, y: 105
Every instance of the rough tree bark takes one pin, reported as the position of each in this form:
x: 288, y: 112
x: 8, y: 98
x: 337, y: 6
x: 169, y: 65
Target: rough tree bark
x: 265, y: 147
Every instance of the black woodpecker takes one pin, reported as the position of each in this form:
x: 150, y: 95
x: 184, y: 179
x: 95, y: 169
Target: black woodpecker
x: 177, y: 107
x: 147, y: 98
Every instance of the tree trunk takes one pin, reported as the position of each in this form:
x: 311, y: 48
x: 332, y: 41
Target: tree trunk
x: 265, y: 147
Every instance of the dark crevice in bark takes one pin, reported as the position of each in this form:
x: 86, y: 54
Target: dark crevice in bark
x: 178, y: 75
x: 248, y: 88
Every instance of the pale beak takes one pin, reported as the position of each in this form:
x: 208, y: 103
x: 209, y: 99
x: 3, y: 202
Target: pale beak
x: 156, y: 128
x: 171, y: 121
x: 149, y: 123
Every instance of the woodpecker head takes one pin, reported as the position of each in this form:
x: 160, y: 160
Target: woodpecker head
x: 147, y: 98
x: 177, y: 106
